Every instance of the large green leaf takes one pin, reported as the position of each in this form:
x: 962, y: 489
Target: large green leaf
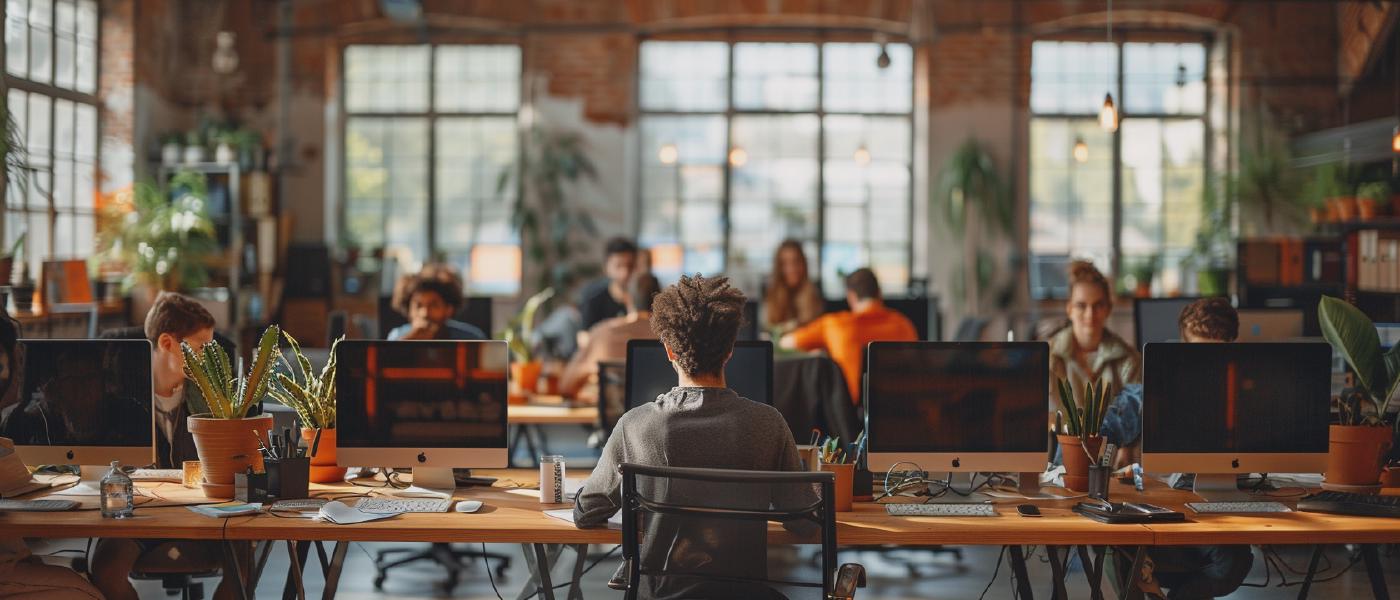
x: 1354, y: 336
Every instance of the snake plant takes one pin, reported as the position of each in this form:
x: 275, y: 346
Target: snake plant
x: 1376, y: 372
x: 313, y: 397
x: 228, y: 394
x: 1084, y: 417
x: 521, y: 329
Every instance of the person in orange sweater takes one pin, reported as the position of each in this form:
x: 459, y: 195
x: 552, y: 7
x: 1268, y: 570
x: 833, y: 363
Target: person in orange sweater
x: 844, y: 335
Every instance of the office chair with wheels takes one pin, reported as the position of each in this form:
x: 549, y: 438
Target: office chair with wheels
x: 178, y: 576
x: 452, y: 559
x: 704, y: 532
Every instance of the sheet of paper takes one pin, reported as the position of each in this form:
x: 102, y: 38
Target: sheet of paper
x: 567, y: 514
x: 343, y: 514
x: 227, y: 509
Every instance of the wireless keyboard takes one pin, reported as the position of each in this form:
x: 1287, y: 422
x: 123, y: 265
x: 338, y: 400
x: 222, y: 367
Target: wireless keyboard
x: 941, y: 510
x: 1343, y: 503
x: 1236, y: 508
x: 37, y: 505
x: 171, y: 475
x: 404, y: 505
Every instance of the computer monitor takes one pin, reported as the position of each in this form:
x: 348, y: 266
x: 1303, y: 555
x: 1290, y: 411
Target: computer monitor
x: 957, y: 406
x: 749, y: 327
x: 430, y: 405
x: 1155, y: 319
x: 1219, y: 410
x: 82, y: 402
x: 1270, y: 324
x: 921, y: 311
x: 749, y: 371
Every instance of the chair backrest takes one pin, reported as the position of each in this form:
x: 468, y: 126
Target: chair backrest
x: 612, y: 394
x: 704, y: 532
x: 337, y: 324
x: 970, y: 330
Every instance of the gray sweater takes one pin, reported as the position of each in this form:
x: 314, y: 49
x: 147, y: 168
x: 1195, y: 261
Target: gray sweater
x: 696, y: 427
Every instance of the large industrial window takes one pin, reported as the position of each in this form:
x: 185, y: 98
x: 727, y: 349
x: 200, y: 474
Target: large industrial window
x: 429, y: 132
x: 744, y: 144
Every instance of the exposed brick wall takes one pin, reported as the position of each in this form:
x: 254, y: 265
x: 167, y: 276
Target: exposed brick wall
x: 598, y: 68
x: 116, y: 88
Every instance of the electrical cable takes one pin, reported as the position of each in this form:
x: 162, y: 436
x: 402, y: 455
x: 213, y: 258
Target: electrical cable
x: 994, y: 573
x: 489, y: 575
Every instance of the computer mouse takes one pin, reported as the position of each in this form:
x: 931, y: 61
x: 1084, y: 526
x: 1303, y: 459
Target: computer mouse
x: 1028, y: 510
x: 467, y: 506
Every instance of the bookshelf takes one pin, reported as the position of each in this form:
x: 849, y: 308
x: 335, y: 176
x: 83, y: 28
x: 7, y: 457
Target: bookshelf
x: 1358, y: 261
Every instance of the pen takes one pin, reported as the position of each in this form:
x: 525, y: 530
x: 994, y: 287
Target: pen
x: 816, y: 437
x: 315, y: 442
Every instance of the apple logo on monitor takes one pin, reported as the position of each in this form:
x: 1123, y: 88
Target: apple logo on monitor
x: 422, y: 457
x: 1235, y: 464
x: 957, y: 463
x: 70, y: 455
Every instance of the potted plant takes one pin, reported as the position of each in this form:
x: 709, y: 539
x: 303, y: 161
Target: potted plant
x: 1080, y: 441
x: 225, y: 437
x: 1142, y: 272
x: 519, y: 333
x: 7, y: 260
x: 224, y: 149
x: 977, y: 208
x: 1369, y: 198
x: 313, y: 398
x: 194, y: 147
x: 23, y: 291
x: 1359, y: 441
x: 164, y: 244
x: 170, y: 149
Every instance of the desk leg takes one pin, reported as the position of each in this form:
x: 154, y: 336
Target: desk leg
x: 545, y: 584
x: 262, y: 550
x: 1312, y: 571
x: 1129, y: 588
x: 1018, y: 569
x: 294, y: 573
x: 333, y: 572
x: 1057, y: 572
x: 296, y: 556
x: 1371, y: 554
x: 581, y: 556
x: 1093, y: 571
x: 231, y: 569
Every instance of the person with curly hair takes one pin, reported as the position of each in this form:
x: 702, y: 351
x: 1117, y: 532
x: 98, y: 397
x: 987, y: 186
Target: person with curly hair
x: 699, y: 423
x: 429, y: 300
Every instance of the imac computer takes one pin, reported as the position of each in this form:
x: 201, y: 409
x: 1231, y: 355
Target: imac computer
x: 1155, y: 319
x: 1270, y: 324
x: 958, y: 407
x: 429, y: 405
x: 81, y: 402
x: 650, y: 374
x: 1223, y: 410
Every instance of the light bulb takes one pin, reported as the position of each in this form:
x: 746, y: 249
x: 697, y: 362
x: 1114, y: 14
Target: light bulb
x: 668, y: 154
x: 862, y: 155
x: 738, y: 156
x: 225, y: 60
x: 1081, y: 151
x: 1108, y: 115
x: 1395, y: 140
x: 883, y: 60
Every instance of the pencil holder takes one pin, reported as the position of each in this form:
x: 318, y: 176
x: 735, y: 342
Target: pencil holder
x: 1098, y: 481
x: 844, y: 475
x: 863, y: 484
x: 250, y: 487
x: 288, y: 478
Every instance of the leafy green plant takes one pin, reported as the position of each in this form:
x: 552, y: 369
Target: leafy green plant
x: 1375, y: 191
x: 229, y: 395
x: 553, y: 227
x: 1145, y: 268
x: 521, y: 329
x: 1376, y: 372
x: 313, y: 397
x: 971, y: 178
x: 1084, y: 416
x: 163, y: 242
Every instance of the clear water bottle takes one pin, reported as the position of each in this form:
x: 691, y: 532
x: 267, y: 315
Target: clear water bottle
x: 118, y: 496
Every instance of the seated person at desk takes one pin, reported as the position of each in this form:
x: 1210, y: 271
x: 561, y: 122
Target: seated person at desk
x: 700, y: 423
x: 792, y: 300
x: 1086, y: 350
x: 603, y: 298
x: 173, y: 319
x: 429, y: 300
x: 607, y: 341
x: 844, y: 335
x: 1186, y: 571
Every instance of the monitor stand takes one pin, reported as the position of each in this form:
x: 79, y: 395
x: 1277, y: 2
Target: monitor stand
x: 1219, y: 487
x: 958, y: 481
x: 1028, y: 486
x: 89, y: 482
x: 439, y: 482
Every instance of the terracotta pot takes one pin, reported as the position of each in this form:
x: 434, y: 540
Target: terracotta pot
x: 1076, y: 461
x: 1346, y: 208
x: 323, y: 469
x: 1143, y: 290
x: 1317, y: 215
x: 1356, y: 454
x: 526, y: 375
x: 1365, y: 209
x: 1390, y: 477
x: 226, y: 447
x: 1395, y: 205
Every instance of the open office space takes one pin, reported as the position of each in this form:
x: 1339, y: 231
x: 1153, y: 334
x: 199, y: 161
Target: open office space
x: 683, y: 299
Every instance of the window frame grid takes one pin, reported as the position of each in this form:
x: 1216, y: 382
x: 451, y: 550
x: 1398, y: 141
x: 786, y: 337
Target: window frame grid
x: 432, y: 116
x: 53, y: 92
x: 1119, y: 41
x: 820, y: 112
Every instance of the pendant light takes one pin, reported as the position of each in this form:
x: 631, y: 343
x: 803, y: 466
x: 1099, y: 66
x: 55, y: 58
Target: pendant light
x: 1108, y: 114
x: 1081, y: 151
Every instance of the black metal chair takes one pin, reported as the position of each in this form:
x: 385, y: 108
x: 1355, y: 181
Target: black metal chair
x: 612, y: 397
x: 706, y: 531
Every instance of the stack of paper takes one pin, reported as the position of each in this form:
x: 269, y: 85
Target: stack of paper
x: 343, y: 514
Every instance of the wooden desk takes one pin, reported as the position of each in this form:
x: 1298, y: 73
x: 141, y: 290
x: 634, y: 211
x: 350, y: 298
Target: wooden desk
x: 539, y: 414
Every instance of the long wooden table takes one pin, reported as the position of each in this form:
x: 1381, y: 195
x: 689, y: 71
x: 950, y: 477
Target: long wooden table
x: 512, y: 513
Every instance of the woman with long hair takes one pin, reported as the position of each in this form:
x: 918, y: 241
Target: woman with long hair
x: 792, y: 299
